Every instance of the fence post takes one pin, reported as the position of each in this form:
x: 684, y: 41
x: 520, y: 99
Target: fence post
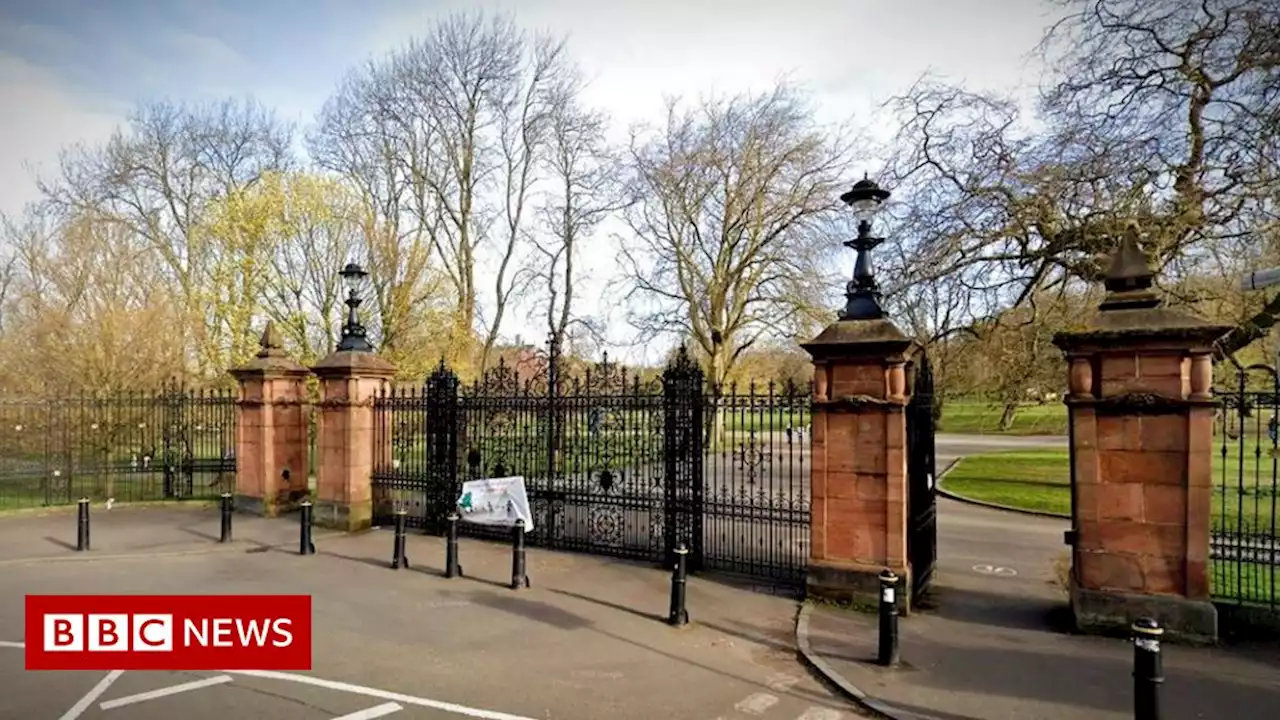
x: 442, y: 446
x: 683, y: 434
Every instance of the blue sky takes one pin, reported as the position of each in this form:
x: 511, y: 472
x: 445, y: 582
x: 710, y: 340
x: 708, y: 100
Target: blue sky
x: 112, y: 54
x: 70, y: 70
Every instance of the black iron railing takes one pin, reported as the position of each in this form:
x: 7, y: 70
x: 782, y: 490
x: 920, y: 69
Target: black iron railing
x: 1244, y: 552
x: 170, y: 444
x: 613, y: 463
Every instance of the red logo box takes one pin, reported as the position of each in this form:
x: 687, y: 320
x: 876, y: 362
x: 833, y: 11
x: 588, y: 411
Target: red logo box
x: 168, y: 632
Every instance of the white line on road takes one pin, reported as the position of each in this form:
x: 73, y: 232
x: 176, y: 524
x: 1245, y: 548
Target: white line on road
x: 376, y: 711
x: 78, y: 709
x: 381, y: 694
x: 782, y: 682
x: 165, y: 691
x: 821, y: 713
x: 8, y: 644
x: 757, y: 704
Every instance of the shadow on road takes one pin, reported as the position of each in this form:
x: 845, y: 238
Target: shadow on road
x: 530, y: 609
x: 610, y: 605
x: 59, y: 542
x: 995, y: 609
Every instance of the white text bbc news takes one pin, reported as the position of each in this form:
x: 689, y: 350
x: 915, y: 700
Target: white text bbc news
x: 155, y: 633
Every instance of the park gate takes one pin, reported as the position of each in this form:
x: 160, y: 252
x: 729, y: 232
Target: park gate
x: 614, y: 464
x: 922, y: 518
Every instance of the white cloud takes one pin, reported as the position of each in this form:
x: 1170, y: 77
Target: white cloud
x: 42, y: 115
x: 852, y: 55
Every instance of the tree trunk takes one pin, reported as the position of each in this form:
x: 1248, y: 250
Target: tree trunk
x: 1006, y: 417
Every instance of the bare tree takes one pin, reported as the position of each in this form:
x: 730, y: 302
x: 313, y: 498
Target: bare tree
x: 584, y: 189
x: 443, y: 136
x: 156, y: 177
x: 727, y: 228
x: 1162, y: 112
x: 372, y: 135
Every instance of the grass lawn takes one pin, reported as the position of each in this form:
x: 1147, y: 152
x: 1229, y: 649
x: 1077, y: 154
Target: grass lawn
x: 1028, y: 479
x: 21, y: 492
x: 975, y: 416
x: 1040, y: 480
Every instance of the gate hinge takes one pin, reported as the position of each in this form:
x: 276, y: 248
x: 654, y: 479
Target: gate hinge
x: 1069, y: 538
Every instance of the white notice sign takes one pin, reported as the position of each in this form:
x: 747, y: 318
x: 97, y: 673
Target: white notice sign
x: 495, y: 501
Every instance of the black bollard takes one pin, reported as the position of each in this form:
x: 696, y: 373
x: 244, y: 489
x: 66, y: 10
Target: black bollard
x: 451, y: 566
x: 398, y: 558
x: 519, y: 578
x: 679, y: 615
x: 305, y: 546
x: 888, y: 650
x: 82, y: 525
x: 226, y: 518
x: 1148, y: 669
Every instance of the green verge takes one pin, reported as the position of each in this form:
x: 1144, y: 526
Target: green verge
x: 1040, y: 480
x: 978, y: 417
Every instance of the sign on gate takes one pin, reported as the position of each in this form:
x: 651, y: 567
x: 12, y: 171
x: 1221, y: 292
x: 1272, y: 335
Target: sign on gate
x: 495, y: 501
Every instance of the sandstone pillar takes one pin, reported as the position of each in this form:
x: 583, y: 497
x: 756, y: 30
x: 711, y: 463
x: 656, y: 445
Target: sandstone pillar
x: 1141, y: 422
x: 349, y: 382
x: 272, y: 444
x: 858, y: 474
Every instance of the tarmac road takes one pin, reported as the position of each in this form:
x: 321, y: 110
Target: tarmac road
x: 586, y: 641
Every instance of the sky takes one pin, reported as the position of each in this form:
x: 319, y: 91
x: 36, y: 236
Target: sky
x: 70, y: 70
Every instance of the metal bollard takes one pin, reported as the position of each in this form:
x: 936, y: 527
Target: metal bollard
x: 679, y: 615
x: 1148, y: 669
x: 305, y: 546
x: 451, y: 566
x: 82, y: 525
x: 519, y: 578
x: 226, y: 518
x: 888, y: 650
x: 398, y: 559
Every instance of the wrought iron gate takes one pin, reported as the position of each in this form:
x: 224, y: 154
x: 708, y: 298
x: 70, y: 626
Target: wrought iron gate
x: 613, y: 464
x: 922, y: 520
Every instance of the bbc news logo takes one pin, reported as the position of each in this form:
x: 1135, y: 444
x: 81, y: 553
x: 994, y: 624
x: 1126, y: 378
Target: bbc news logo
x: 168, y: 632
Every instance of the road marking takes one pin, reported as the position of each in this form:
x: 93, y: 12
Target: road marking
x: 986, y: 569
x: 757, y: 704
x: 165, y: 691
x: 820, y: 713
x: 380, y: 694
x: 376, y: 711
x: 781, y: 682
x: 78, y: 709
x: 8, y: 644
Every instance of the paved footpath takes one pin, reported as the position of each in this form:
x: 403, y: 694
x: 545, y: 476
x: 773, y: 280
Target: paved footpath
x: 993, y: 649
x: 586, y: 642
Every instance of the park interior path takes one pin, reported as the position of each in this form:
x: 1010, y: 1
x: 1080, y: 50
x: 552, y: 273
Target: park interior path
x: 978, y: 546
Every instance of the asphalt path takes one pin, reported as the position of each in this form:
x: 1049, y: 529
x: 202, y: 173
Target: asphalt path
x: 1008, y: 556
